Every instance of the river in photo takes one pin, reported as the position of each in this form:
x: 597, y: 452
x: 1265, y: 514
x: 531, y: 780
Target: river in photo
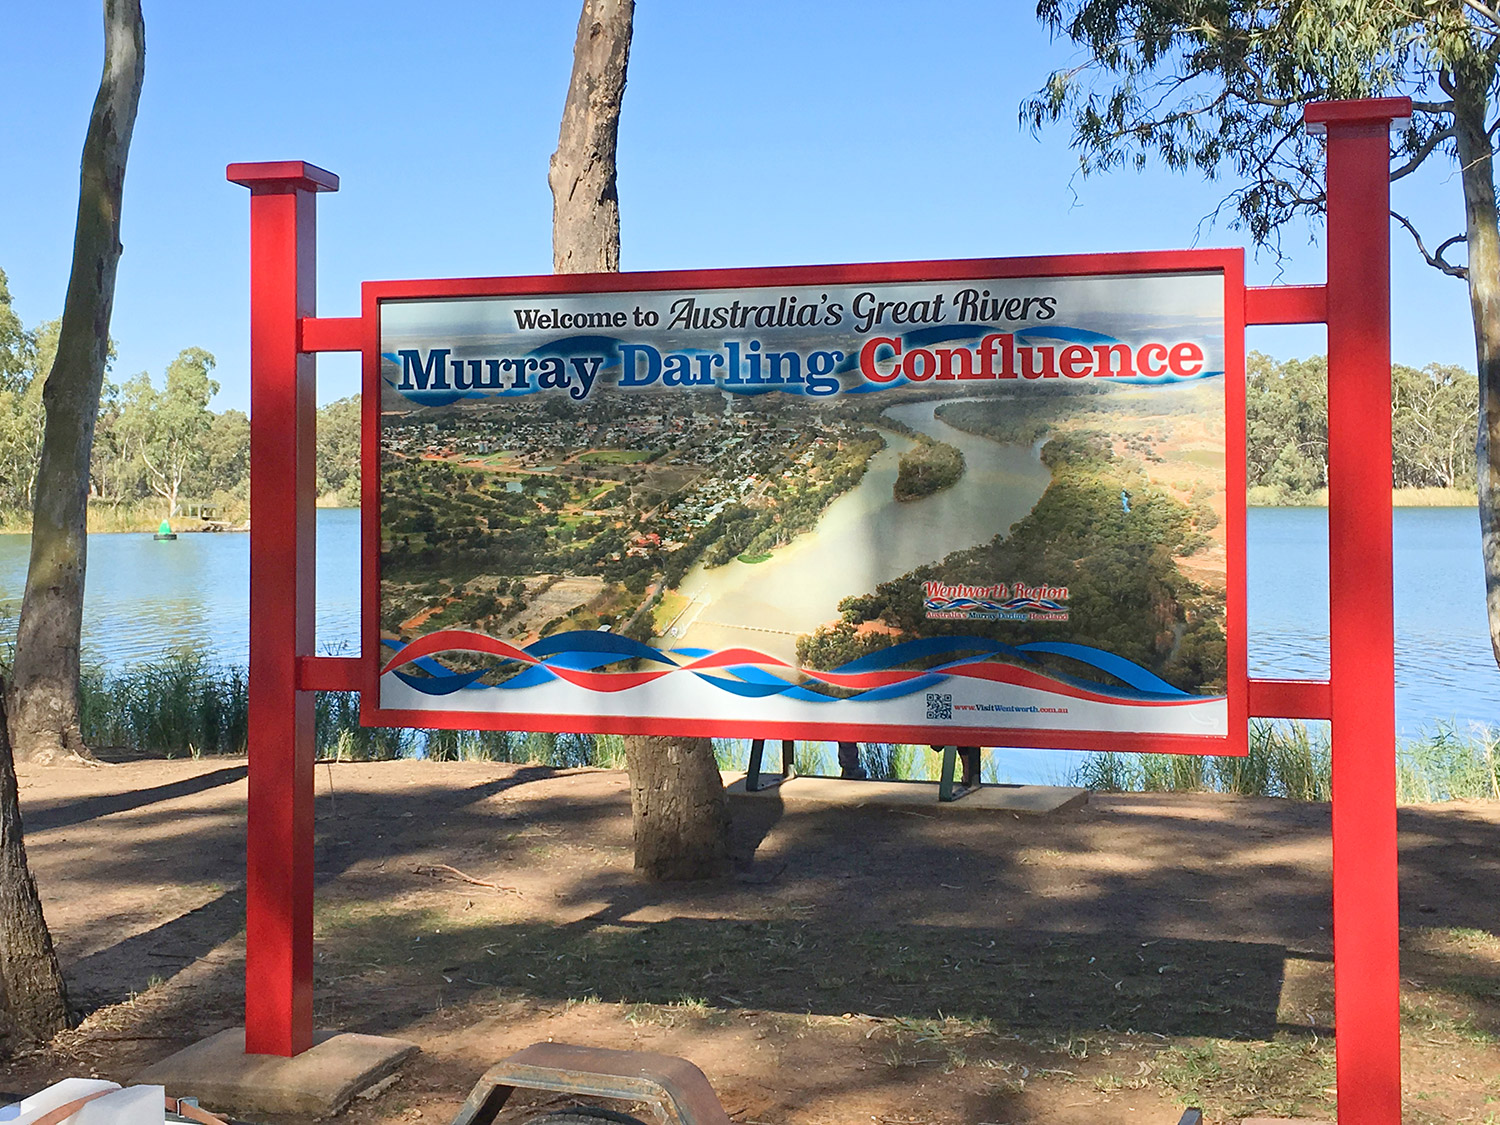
x: 865, y: 537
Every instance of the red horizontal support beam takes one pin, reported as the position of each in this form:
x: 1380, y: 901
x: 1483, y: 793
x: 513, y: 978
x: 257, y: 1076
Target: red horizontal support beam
x: 330, y: 673
x: 1286, y: 304
x: 330, y: 334
x: 1291, y: 699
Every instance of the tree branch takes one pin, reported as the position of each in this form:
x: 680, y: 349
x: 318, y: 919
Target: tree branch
x: 1422, y: 153
x: 1484, y: 10
x: 1435, y: 260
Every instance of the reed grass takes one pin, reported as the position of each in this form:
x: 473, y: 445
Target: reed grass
x: 1294, y: 760
x: 179, y: 705
x: 1446, y: 764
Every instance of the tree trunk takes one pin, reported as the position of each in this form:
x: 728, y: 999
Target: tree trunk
x: 585, y: 204
x: 676, y: 794
x: 1474, y: 159
x: 681, y: 819
x: 44, y: 695
x: 33, y: 999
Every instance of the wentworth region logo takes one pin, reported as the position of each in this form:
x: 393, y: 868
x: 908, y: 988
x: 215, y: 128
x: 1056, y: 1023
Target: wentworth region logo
x: 1001, y: 601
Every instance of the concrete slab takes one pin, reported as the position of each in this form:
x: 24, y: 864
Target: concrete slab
x: 912, y: 796
x: 318, y: 1082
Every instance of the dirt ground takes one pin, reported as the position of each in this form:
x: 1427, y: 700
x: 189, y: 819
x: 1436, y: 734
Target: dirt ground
x: 1108, y: 964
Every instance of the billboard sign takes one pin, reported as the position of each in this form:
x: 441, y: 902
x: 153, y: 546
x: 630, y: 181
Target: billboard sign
x: 994, y: 502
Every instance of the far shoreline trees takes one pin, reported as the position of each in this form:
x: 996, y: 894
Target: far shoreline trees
x: 1286, y: 439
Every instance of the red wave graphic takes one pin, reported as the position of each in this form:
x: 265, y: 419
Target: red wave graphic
x: 462, y: 640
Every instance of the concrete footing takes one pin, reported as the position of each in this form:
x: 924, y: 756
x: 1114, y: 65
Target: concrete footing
x: 318, y: 1082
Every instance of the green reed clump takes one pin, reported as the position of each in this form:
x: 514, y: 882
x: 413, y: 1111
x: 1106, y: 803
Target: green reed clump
x: 1109, y: 772
x: 1294, y: 760
x: 1172, y: 773
x: 1445, y: 764
x: 887, y: 761
x: 337, y: 732
x: 183, y: 703
x: 808, y: 758
x: 1284, y: 760
x: 177, y: 705
x: 729, y: 753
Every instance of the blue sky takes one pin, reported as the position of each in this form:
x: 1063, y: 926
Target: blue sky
x: 753, y: 134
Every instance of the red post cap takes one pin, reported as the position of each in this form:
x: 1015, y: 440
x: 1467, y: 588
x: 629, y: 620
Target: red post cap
x: 282, y: 175
x: 1318, y: 116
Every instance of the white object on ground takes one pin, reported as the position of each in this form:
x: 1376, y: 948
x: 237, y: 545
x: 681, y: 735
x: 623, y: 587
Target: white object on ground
x: 135, y: 1105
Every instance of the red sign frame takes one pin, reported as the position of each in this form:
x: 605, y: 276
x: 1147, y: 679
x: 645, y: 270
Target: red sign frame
x: 1228, y: 262
x: 1358, y: 697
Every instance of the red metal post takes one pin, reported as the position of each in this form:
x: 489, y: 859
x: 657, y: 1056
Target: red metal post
x: 1362, y: 667
x: 279, y: 845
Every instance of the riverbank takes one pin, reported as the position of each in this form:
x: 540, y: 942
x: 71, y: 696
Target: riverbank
x: 132, y: 519
x: 1261, y: 497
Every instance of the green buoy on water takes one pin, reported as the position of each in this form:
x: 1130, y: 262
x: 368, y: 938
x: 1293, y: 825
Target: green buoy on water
x: 164, y: 532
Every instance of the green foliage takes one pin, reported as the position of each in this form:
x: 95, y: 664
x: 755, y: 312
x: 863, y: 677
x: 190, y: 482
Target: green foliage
x: 178, y: 705
x: 168, y: 428
x: 21, y: 378
x: 149, y: 442
x: 1432, y: 422
x: 928, y: 467
x: 1286, y: 427
x: 1294, y: 760
x: 1216, y: 85
x: 338, y: 451
x: 888, y: 761
x: 183, y: 704
x: 1444, y: 764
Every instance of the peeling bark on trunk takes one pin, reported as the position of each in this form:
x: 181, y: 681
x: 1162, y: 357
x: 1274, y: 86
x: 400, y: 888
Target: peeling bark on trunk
x: 44, y: 695
x: 681, y: 820
x: 33, y: 999
x: 585, y: 205
x: 677, y: 803
x: 1474, y: 159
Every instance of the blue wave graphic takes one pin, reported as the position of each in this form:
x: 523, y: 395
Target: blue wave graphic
x: 588, y: 650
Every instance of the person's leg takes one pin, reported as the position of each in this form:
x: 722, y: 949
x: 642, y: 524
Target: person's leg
x: 969, y: 756
x: 849, y: 766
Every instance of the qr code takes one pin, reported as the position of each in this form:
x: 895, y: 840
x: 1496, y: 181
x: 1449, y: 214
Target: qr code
x: 939, y: 706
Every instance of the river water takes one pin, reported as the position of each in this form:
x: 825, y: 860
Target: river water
x: 146, y: 597
x: 864, y: 538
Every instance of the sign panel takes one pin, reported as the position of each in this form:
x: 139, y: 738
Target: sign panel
x: 993, y: 502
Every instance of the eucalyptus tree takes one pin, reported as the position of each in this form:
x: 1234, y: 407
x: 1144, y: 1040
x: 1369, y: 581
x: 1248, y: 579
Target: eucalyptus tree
x: 1218, y: 86
x: 43, y: 701
x: 39, y: 710
x: 20, y: 405
x: 681, y: 822
x: 169, y: 430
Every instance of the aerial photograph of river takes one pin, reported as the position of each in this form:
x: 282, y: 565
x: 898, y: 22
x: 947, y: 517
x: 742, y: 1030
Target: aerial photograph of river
x: 865, y: 537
